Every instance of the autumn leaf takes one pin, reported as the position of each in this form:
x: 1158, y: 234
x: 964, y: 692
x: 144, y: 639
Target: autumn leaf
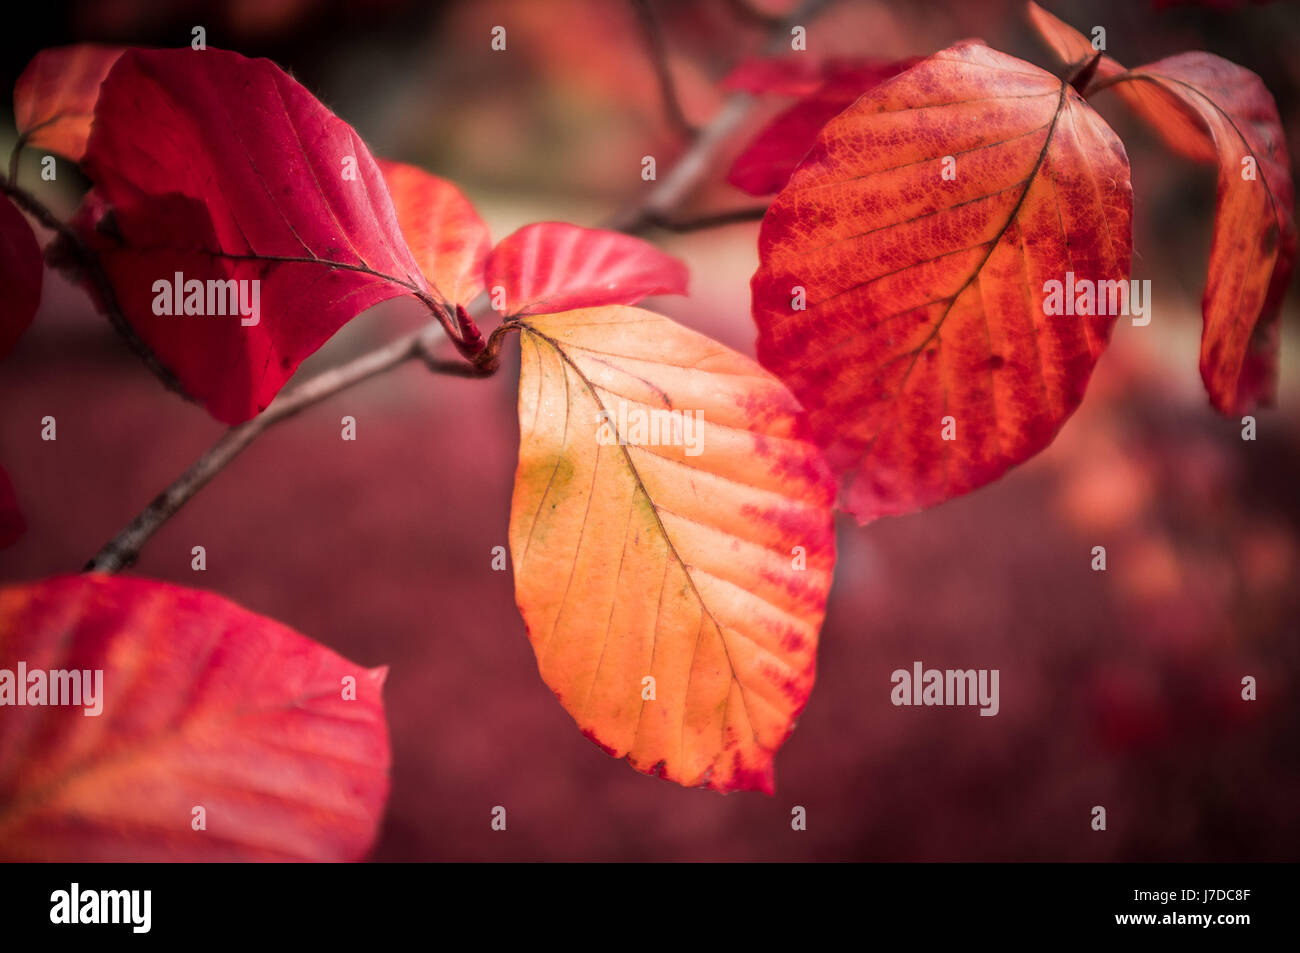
x: 1206, y: 107
x: 1253, y: 251
x: 54, y: 98
x: 21, y: 272
x: 444, y: 232
x: 672, y: 542
x: 553, y: 266
x: 1180, y: 130
x: 902, y: 288
x: 201, y: 704
x: 765, y: 165
x: 12, y: 524
x: 219, y: 168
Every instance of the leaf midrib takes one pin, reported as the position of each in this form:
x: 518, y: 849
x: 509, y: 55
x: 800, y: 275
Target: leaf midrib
x: 975, y: 272
x: 663, y: 530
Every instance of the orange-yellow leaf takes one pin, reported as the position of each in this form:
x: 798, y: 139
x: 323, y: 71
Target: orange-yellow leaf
x: 669, y: 522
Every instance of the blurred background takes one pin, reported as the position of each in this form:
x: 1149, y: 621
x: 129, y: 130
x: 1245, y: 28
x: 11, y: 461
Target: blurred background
x: 1119, y: 689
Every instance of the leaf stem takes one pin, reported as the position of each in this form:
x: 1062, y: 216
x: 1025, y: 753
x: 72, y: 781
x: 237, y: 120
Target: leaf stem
x: 1083, y: 73
x: 1124, y: 77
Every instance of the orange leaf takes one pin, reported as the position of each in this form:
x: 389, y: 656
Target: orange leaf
x: 54, y: 98
x: 676, y: 557
x: 925, y: 294
x: 201, y: 704
x: 444, y: 232
x: 1209, y: 109
x: 1254, y: 246
x: 1180, y: 130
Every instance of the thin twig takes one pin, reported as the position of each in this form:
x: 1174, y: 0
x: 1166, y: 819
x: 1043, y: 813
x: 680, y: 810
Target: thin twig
x: 654, y: 35
x: 700, y: 222
x: 671, y: 192
x: 656, y: 207
x: 123, y: 549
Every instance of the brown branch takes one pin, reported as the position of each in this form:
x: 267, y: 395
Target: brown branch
x: 657, y: 207
x: 123, y: 549
x: 671, y: 192
x: 700, y: 222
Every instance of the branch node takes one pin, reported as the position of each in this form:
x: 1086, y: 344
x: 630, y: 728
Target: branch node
x: 1080, y: 74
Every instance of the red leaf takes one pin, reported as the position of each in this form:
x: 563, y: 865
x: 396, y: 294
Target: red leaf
x: 444, y: 232
x: 765, y: 165
x: 54, y: 98
x: 21, y: 271
x: 12, y: 524
x: 203, y: 704
x: 222, y: 168
x: 923, y: 296
x: 552, y: 267
x: 1254, y: 247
